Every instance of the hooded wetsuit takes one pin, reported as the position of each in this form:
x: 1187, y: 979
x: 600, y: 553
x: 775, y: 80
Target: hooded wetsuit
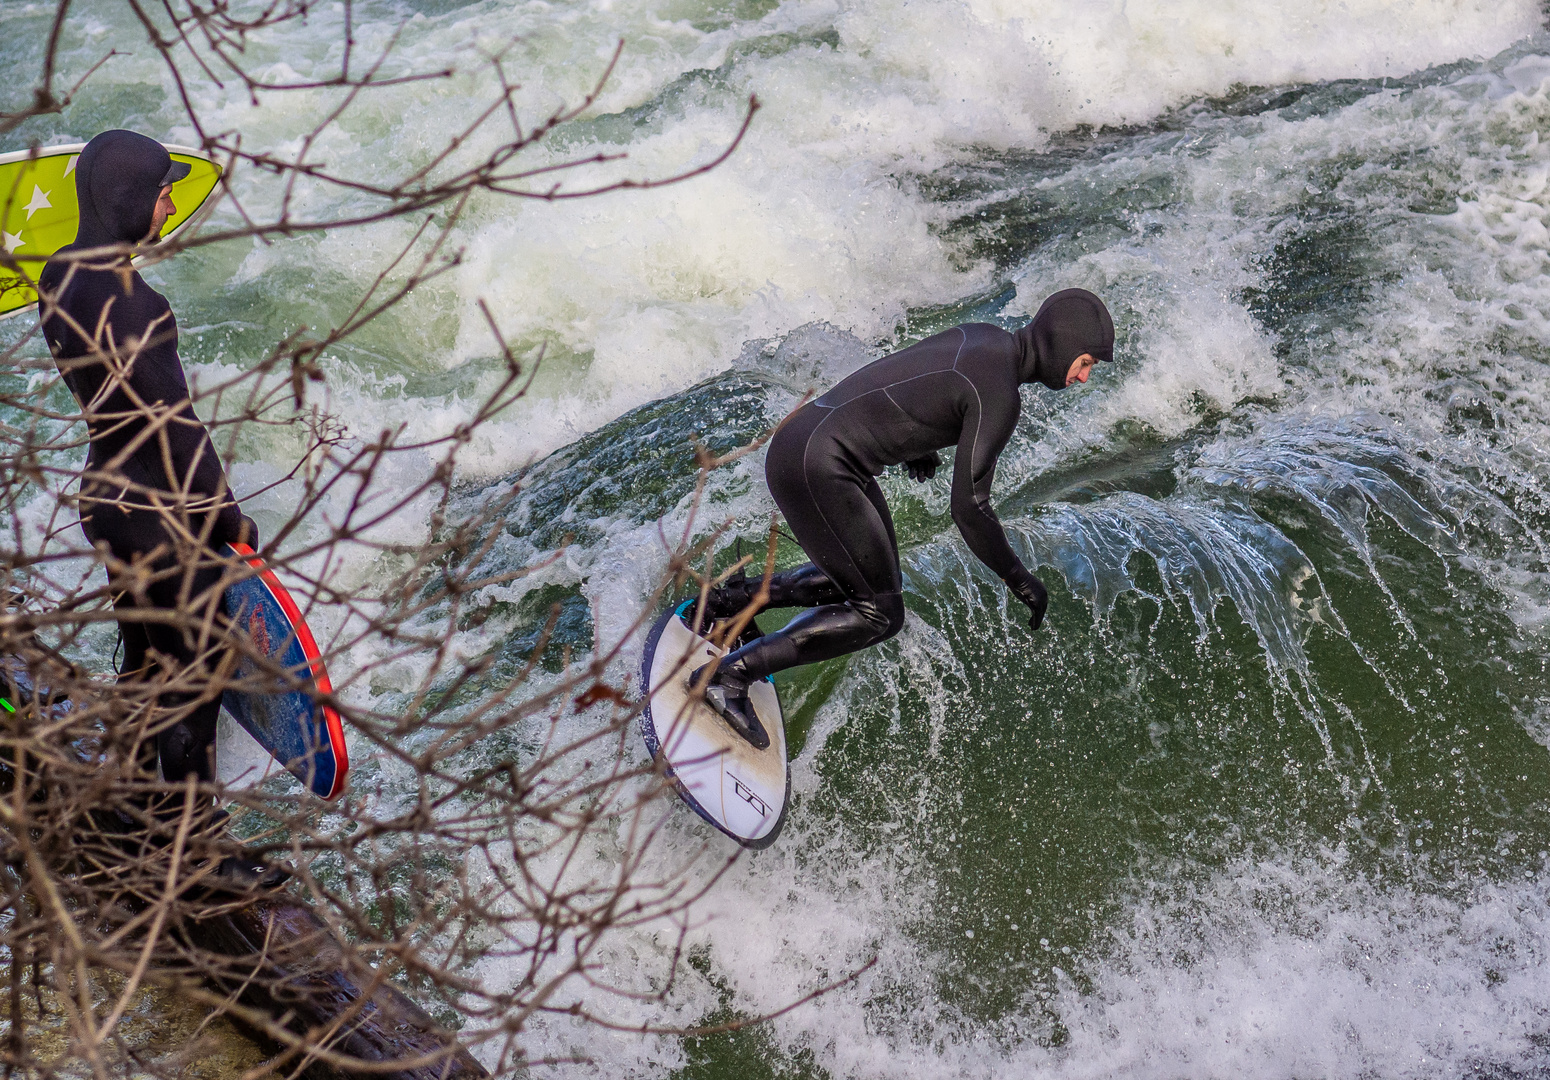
x: 153, y: 483
x: 957, y: 388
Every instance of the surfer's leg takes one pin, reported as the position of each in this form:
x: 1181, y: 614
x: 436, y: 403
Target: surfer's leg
x: 188, y: 745
x: 131, y: 631
x: 166, y: 579
x: 131, y: 541
x: 841, y: 519
x: 853, y: 543
x: 134, y: 667
x: 147, y: 819
x: 786, y: 469
x: 835, y: 511
x: 173, y: 727
x: 801, y: 586
x: 820, y: 633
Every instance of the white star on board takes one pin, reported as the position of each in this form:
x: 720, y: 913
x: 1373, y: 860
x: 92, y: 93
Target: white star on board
x: 12, y: 241
x: 70, y: 165
x: 39, y: 202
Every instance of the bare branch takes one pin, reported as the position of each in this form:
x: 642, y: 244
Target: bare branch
x: 503, y: 750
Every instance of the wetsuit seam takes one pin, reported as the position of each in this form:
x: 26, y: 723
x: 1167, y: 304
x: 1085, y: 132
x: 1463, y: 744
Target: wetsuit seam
x: 964, y: 336
x: 886, y: 391
x: 978, y: 424
x: 974, y: 450
x: 808, y: 486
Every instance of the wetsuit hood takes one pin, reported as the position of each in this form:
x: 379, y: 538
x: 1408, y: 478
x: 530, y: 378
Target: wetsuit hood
x: 118, y: 179
x: 1068, y: 324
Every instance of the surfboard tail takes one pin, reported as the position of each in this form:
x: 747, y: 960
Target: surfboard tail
x: 740, y: 790
x: 301, y: 730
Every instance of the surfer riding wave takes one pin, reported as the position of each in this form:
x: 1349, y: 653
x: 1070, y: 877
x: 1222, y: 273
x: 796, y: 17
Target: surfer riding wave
x: 957, y: 388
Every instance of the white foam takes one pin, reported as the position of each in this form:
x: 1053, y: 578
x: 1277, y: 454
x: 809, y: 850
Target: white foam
x: 1234, y: 976
x: 1277, y: 966
x: 642, y: 293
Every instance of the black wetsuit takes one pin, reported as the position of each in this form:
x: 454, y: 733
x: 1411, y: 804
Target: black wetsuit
x: 156, y: 495
x: 957, y: 388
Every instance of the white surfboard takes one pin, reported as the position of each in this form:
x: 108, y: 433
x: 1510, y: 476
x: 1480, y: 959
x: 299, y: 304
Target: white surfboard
x: 738, y: 789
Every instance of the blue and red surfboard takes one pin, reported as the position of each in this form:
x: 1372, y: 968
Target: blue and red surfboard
x: 304, y: 734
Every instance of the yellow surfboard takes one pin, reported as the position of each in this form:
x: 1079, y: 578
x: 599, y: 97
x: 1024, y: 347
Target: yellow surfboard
x: 39, y: 212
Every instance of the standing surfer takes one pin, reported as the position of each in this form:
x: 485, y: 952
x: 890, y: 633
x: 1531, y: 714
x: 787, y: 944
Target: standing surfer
x: 957, y: 388
x: 153, y: 493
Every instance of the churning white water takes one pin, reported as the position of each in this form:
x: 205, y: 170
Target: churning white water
x: 1268, y: 796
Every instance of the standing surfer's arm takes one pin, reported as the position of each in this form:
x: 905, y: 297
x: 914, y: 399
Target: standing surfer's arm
x: 183, y: 444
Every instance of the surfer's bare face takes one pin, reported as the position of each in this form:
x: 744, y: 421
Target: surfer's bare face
x: 164, y: 210
x: 1081, y: 367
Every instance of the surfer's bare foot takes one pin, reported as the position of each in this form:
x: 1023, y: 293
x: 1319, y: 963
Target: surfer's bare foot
x: 728, y: 696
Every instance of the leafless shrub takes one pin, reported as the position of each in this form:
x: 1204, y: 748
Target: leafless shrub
x: 497, y: 816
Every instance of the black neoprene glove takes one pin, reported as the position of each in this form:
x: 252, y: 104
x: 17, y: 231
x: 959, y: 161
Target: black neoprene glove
x: 1030, y: 590
x: 923, y: 468
x: 249, y: 534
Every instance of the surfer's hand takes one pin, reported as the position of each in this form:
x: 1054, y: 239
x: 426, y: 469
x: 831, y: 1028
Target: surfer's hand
x: 1031, y: 591
x: 249, y: 533
x: 923, y: 468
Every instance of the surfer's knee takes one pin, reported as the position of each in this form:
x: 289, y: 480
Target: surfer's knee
x: 884, y: 614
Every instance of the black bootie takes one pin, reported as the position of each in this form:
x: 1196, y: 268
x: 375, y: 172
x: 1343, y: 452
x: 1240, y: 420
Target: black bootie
x: 731, y: 597
x: 801, y: 586
x: 245, y: 873
x: 727, y: 694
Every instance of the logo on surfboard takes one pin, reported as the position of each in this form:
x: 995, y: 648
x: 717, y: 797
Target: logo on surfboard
x: 749, y: 797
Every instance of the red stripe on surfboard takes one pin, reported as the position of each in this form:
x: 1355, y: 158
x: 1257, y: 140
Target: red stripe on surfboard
x: 309, y: 648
